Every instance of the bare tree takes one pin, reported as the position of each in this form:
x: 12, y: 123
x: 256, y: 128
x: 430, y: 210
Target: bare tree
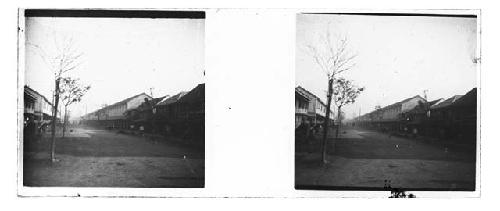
x: 332, y: 57
x: 72, y: 91
x: 64, y: 58
x: 345, y: 92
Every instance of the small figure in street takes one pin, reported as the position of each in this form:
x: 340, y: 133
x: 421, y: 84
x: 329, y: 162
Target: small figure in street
x: 141, y: 128
x: 387, y: 185
x: 30, y: 129
x: 41, y: 131
x: 311, y: 132
x: 415, y: 132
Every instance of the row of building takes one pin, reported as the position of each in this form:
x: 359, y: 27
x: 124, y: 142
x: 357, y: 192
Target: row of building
x: 451, y: 118
x: 36, y: 106
x: 182, y: 113
x: 309, y: 109
x: 37, y: 114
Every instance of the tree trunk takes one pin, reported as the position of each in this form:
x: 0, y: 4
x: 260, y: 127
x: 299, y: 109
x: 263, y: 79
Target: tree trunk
x: 54, y: 119
x: 327, y: 120
x: 339, y: 121
x: 65, y: 119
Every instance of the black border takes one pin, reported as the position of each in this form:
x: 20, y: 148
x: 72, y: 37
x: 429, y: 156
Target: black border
x: 400, y: 14
x: 354, y: 188
x: 102, y: 13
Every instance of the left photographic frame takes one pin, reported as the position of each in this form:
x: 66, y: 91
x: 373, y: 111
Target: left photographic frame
x: 111, y: 98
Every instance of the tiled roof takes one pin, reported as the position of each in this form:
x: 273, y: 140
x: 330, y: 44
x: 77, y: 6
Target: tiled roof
x: 170, y: 100
x: 126, y: 100
x: 310, y: 94
x: 117, y: 103
x: 469, y: 99
x: 195, y: 95
x: 401, y: 102
x: 149, y: 104
x: 446, y: 102
x: 431, y: 103
x: 302, y: 95
x: 32, y: 90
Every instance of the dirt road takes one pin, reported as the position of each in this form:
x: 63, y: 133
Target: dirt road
x: 101, y: 158
x: 367, y: 159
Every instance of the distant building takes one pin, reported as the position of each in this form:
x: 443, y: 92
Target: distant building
x: 183, y: 114
x: 464, y: 120
x: 393, y: 112
x: 191, y: 106
x: 443, y: 104
x: 143, y: 114
x: 390, y: 117
x: 419, y: 113
x: 164, y: 108
x: 454, y: 118
x: 113, y: 116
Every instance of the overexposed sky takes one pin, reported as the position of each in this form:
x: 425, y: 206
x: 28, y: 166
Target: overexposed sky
x: 397, y: 56
x: 122, y: 56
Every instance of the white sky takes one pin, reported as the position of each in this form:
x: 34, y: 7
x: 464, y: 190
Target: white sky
x: 397, y: 57
x: 122, y: 56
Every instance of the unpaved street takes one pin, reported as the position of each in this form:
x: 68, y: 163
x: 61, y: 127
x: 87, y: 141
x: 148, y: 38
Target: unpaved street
x: 371, y: 160
x: 101, y: 158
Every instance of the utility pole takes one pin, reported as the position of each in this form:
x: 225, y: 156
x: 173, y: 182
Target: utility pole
x: 151, y: 91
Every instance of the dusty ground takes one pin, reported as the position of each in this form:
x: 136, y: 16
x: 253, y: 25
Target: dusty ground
x: 100, y: 158
x: 371, y: 160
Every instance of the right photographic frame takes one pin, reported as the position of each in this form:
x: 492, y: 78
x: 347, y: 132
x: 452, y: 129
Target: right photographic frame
x: 387, y: 101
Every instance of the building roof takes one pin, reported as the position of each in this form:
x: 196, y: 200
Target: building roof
x: 170, y: 100
x: 146, y: 105
x: 374, y: 112
x: 195, y: 95
x: 308, y: 93
x: 34, y: 91
x: 301, y: 95
x: 408, y: 99
x: 446, y: 102
x: 310, y: 96
x: 126, y: 100
x: 469, y: 99
x: 116, y: 104
x: 401, y: 102
x: 431, y: 103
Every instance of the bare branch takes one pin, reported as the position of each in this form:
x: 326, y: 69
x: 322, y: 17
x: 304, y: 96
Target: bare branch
x: 335, y: 57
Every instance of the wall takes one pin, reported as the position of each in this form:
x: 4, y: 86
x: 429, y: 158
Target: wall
x: 47, y: 107
x: 410, y: 104
x: 135, y: 102
x: 301, y: 106
x: 117, y: 110
x: 320, y: 108
x: 392, y: 112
